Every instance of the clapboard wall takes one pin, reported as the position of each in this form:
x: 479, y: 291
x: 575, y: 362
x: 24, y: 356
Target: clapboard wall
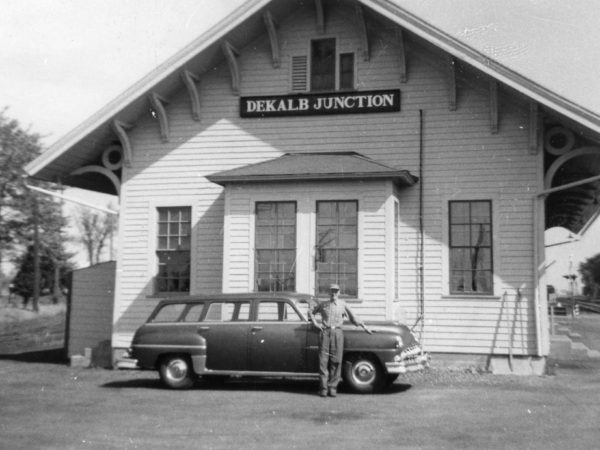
x: 461, y: 160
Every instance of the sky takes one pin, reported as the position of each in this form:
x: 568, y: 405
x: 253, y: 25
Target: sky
x: 62, y: 60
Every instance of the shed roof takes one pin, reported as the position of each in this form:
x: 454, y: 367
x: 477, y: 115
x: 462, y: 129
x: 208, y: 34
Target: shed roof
x: 314, y: 166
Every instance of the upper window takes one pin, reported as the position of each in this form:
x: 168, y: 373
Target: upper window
x: 275, y: 244
x: 337, y: 246
x: 471, y: 269
x: 327, y: 71
x: 173, y: 249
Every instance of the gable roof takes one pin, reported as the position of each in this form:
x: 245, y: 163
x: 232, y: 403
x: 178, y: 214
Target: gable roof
x: 246, y: 23
x: 312, y: 167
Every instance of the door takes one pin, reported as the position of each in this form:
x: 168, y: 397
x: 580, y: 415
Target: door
x: 226, y: 327
x: 278, y: 338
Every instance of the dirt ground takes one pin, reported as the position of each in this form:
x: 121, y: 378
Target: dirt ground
x: 49, y: 405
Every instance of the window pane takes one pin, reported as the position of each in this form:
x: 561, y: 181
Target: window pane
x: 471, y: 264
x: 481, y: 235
x: 194, y: 313
x: 337, y: 252
x: 460, y: 235
x: 322, y: 66
x: 480, y: 212
x: 169, y: 313
x: 459, y: 212
x: 268, y: 311
x: 347, y: 71
x: 275, y: 242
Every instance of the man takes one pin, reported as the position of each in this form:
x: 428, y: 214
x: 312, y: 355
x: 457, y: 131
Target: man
x: 331, y: 344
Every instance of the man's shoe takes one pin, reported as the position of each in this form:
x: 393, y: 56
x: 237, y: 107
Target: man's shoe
x: 332, y: 393
x: 323, y: 393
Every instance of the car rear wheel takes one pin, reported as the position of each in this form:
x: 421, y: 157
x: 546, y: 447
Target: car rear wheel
x: 363, y: 374
x: 176, y: 372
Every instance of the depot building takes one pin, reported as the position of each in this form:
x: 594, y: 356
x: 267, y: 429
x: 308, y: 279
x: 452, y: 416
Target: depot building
x: 297, y: 144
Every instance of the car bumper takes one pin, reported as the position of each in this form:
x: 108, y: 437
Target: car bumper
x: 412, y: 360
x: 127, y: 362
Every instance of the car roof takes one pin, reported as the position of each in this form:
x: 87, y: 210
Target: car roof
x: 238, y: 297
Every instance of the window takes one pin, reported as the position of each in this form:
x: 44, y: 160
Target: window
x: 277, y: 312
x: 322, y: 65
x: 169, y: 313
x: 337, y: 242
x: 228, y: 312
x: 346, y: 71
x: 173, y: 249
x: 326, y: 74
x: 275, y: 244
x: 471, y: 268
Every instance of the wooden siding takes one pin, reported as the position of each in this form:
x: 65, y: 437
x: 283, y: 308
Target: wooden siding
x: 462, y: 160
x: 91, y: 309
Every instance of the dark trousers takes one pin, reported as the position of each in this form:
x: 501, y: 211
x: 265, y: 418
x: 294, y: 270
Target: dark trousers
x: 331, y: 349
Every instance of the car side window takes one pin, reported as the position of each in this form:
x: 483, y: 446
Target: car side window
x: 277, y: 312
x: 228, y: 312
x: 194, y: 313
x: 169, y: 313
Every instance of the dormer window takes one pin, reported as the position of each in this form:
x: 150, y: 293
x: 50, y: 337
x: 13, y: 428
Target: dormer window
x: 327, y: 69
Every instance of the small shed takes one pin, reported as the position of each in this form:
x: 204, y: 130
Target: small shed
x: 91, y: 312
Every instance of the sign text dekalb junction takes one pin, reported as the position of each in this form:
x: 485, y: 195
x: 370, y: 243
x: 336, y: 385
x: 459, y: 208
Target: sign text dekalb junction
x: 316, y: 104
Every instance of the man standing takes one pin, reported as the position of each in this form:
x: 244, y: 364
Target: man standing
x: 331, y: 344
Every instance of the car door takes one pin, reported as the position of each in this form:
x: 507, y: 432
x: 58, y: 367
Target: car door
x: 278, y: 338
x: 226, y: 327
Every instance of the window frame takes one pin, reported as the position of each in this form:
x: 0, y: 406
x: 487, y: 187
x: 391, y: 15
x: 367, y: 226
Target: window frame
x: 338, y: 53
x: 492, y: 266
x: 257, y: 271
x: 158, y: 249
x: 356, y: 248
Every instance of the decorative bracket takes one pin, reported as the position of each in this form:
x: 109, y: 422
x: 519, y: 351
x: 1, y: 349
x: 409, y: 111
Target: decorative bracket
x: 402, y: 56
x: 362, y: 26
x: 120, y: 129
x: 535, y: 128
x: 190, y: 79
x: 494, y: 106
x: 451, y: 65
x: 320, y: 16
x: 103, y: 171
x: 230, y: 54
x: 271, y: 30
x: 157, y: 104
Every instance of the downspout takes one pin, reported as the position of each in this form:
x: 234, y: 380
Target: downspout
x: 421, y: 232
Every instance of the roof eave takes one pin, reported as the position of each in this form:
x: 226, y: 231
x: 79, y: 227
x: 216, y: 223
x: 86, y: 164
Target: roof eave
x: 453, y: 46
x: 145, y: 84
x: 402, y: 178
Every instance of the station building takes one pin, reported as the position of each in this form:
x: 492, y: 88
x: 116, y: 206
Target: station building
x: 299, y: 143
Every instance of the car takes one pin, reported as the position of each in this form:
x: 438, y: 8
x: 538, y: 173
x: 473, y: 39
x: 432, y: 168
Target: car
x: 262, y: 334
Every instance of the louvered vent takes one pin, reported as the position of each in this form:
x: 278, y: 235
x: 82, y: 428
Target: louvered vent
x: 299, y: 73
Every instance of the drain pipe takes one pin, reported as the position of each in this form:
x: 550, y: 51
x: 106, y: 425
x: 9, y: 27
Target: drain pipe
x: 421, y: 250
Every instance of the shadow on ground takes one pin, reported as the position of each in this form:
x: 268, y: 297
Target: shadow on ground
x: 54, y: 356
x: 298, y: 386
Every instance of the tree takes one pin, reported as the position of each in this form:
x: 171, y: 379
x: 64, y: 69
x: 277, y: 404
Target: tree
x: 18, y: 202
x: 95, y: 229
x: 590, y: 275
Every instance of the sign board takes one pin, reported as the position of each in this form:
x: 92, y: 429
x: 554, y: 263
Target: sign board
x: 357, y: 102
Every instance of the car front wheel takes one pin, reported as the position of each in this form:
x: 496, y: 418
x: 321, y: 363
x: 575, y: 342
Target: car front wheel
x: 363, y: 374
x: 176, y: 372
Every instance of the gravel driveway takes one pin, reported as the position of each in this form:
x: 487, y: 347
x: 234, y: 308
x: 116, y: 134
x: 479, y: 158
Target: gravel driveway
x: 54, y: 406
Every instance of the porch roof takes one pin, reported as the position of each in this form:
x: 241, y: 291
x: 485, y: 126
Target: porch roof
x: 314, y: 167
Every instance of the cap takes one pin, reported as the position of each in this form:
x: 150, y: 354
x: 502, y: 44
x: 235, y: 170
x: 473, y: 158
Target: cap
x: 334, y: 286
